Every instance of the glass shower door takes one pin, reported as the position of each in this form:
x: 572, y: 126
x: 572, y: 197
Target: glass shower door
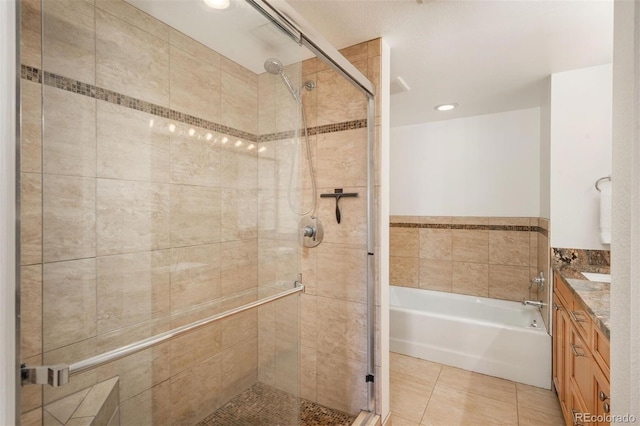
x: 161, y: 186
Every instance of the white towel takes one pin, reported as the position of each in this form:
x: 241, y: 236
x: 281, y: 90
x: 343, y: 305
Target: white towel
x: 605, y: 211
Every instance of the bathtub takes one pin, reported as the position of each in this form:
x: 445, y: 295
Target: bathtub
x: 489, y: 336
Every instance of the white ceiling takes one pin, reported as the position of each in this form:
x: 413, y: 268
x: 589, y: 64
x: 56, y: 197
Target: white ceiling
x: 486, y: 55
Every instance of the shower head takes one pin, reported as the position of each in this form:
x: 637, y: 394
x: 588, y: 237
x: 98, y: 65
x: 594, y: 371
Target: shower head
x: 273, y: 66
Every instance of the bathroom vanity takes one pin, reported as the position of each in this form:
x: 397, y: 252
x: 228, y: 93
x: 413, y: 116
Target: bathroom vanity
x: 581, y: 360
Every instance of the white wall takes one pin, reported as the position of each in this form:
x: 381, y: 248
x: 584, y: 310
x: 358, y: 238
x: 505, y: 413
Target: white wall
x: 581, y: 115
x: 545, y: 150
x: 625, y: 271
x: 487, y: 165
x: 7, y: 211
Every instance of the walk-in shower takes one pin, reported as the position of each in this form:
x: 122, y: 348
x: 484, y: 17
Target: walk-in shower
x: 162, y: 186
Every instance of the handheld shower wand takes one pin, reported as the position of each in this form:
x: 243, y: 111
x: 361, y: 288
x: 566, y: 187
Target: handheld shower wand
x: 274, y: 66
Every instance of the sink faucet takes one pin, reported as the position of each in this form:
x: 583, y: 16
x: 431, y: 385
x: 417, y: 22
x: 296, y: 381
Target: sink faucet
x: 539, y: 304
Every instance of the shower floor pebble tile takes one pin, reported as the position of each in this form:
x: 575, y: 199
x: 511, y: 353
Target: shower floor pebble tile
x: 425, y: 393
x: 263, y: 405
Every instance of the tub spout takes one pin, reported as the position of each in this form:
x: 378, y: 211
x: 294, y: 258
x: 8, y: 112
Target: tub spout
x: 539, y: 303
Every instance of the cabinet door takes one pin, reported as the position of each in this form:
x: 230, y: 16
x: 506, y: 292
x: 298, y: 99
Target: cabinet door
x: 602, y: 403
x: 580, y: 367
x: 560, y: 346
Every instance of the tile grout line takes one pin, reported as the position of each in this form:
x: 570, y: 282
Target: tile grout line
x: 431, y: 395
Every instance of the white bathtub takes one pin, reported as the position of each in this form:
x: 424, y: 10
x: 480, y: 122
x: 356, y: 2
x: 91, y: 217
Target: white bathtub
x: 488, y: 336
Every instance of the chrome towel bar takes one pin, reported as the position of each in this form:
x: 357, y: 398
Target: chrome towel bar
x: 40, y: 374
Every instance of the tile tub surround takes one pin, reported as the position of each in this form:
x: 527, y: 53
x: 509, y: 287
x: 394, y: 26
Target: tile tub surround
x: 98, y: 405
x: 480, y: 256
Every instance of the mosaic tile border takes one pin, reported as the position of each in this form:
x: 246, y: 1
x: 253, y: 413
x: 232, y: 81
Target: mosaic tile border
x: 74, y: 86
x: 327, y: 128
x: 472, y: 227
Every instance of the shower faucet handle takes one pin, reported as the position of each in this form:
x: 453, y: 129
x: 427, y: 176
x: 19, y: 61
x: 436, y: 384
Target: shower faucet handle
x: 539, y: 281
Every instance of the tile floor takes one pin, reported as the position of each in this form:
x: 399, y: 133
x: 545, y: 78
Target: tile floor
x: 426, y: 393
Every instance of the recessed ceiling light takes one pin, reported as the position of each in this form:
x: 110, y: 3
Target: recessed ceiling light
x: 446, y: 107
x: 218, y: 4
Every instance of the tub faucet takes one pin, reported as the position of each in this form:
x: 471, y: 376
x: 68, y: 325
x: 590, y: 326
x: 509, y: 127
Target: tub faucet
x: 537, y: 303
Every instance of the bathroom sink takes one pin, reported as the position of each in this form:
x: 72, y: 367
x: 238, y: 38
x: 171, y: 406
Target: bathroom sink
x: 592, y: 276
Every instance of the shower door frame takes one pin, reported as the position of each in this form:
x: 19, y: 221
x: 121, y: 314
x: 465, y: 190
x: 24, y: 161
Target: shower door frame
x: 283, y: 17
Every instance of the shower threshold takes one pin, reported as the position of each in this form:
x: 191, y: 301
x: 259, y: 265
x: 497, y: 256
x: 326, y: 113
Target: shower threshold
x: 264, y: 405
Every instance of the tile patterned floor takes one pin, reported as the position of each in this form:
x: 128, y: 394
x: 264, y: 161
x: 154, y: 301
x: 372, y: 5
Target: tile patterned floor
x: 263, y: 405
x: 425, y: 393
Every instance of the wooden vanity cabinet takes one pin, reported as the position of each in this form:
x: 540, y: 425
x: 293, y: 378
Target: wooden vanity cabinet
x: 580, y: 360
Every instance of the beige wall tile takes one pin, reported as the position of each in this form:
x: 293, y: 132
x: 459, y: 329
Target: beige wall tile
x: 30, y: 310
x: 374, y: 47
x: 238, y: 170
x: 239, y: 367
x: 30, y: 218
x: 193, y: 161
x: 308, y: 320
x: 266, y: 106
x: 135, y: 17
x: 131, y: 61
x: 309, y: 66
x: 448, y: 406
x: 287, y: 357
x: 193, y: 48
x: 509, y: 248
x: 342, y: 159
x: 445, y: 220
x: 509, y: 221
x: 239, y: 266
x: 239, y: 328
x: 69, y: 223
x: 469, y: 220
x: 31, y: 129
x: 63, y: 409
x: 129, y: 147
x: 404, y: 271
x: 342, y: 272
x: 239, y: 99
x: 342, y: 328
x: 132, y: 288
x: 69, y: 47
x: 69, y: 138
x: 195, y: 275
x: 338, y: 100
x: 470, y: 246
x: 197, y: 392
x: 310, y: 100
x: 195, y: 215
x: 30, y: 33
x: 356, y: 53
x: 352, y: 228
x: 140, y: 371
x: 508, y: 282
x: 404, y: 219
x: 309, y: 269
x: 132, y: 216
x: 404, y: 242
x: 240, y: 72
x: 533, y: 249
x: 435, y: 243
x: 308, y: 373
x: 239, y: 214
x: 470, y: 278
x: 435, y: 274
x: 278, y: 261
x: 340, y: 383
x: 194, y: 85
x: 373, y: 74
x: 151, y: 407
x: 30, y: 396
x: 69, y: 302
x: 192, y: 349
x: 543, y: 223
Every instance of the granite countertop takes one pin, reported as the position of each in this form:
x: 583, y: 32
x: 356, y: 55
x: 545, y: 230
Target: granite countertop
x: 594, y: 295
